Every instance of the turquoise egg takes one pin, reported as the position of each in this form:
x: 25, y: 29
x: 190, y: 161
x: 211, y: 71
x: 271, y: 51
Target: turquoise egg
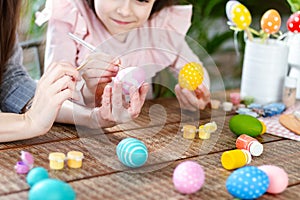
x: 132, y: 152
x: 36, y: 174
x: 247, y: 183
x: 51, y: 189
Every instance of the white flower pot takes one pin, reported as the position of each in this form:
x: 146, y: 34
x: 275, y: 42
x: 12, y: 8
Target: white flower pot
x: 264, y: 69
x: 293, y: 41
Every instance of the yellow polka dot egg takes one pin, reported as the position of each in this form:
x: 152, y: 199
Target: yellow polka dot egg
x: 191, y: 76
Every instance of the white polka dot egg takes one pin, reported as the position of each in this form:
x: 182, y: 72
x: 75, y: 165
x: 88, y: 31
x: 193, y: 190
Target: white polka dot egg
x: 188, y: 177
x: 191, y: 76
x: 241, y: 16
x: 293, y: 23
x: 270, y: 21
x: 132, y: 152
x: 247, y: 183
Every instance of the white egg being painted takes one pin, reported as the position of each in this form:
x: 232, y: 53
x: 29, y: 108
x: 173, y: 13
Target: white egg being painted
x: 131, y: 76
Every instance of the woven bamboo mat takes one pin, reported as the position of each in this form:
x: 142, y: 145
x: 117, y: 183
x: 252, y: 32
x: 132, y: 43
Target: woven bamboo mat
x: 165, y: 111
x: 57, y: 133
x: 158, y: 184
x: 100, y: 157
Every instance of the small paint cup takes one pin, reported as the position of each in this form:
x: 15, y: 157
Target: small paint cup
x: 203, y: 134
x: 57, y: 160
x: 21, y: 168
x: 249, y: 143
x: 227, y: 106
x: 189, y: 131
x: 215, y: 104
x: 236, y: 158
x: 74, y: 159
x: 235, y: 98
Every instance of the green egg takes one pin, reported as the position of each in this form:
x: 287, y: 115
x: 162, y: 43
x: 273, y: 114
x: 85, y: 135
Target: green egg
x: 245, y: 124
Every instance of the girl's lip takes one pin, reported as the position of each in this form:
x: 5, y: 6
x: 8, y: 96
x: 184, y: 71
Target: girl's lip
x: 121, y: 22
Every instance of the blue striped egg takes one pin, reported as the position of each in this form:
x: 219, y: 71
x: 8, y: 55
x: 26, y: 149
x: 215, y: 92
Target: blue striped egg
x: 248, y: 182
x: 132, y: 152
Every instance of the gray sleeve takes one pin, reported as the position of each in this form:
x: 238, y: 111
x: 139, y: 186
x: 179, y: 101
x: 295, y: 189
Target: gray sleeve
x: 17, y: 87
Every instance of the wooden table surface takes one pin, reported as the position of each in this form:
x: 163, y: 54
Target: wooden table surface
x: 102, y: 176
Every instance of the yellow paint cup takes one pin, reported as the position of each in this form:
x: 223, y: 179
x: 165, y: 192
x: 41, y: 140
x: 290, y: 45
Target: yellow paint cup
x: 189, y: 131
x: 236, y: 158
x: 203, y: 134
x: 57, y: 160
x: 74, y: 159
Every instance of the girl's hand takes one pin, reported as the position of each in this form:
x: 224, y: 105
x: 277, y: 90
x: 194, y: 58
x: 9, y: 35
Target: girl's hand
x: 54, y: 87
x: 98, y: 70
x: 193, y: 100
x: 115, y: 110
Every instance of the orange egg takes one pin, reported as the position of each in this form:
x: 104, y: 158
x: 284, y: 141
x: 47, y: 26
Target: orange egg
x: 270, y: 22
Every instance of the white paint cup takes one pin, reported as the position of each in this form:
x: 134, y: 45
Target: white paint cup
x: 264, y: 69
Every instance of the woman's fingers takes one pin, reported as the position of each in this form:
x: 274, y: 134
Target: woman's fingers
x: 58, y: 70
x: 63, y: 83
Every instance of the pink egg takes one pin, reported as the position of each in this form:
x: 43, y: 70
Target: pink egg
x: 278, y: 178
x: 188, y: 177
x: 131, y: 76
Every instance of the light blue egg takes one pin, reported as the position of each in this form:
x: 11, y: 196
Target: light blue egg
x: 51, y: 189
x: 247, y: 183
x: 36, y: 174
x: 132, y: 152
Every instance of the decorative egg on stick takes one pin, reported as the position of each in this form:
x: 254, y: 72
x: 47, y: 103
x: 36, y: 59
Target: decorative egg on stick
x: 191, y: 76
x: 239, y: 16
x: 293, y: 23
x: 270, y: 23
x: 229, y: 7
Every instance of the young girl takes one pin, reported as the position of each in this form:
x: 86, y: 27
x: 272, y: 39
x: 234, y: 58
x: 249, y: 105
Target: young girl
x: 29, y: 110
x: 143, y: 33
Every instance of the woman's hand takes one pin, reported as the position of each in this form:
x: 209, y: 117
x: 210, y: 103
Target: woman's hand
x: 114, y: 109
x: 98, y: 70
x: 193, y: 100
x: 55, y: 86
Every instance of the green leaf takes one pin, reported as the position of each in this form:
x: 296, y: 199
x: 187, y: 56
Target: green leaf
x: 295, y: 5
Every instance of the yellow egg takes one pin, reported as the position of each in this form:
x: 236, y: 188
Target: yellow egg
x: 241, y: 16
x: 270, y: 21
x: 191, y: 76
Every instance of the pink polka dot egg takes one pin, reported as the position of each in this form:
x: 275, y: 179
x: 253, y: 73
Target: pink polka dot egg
x: 278, y: 178
x: 131, y: 76
x: 188, y: 177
